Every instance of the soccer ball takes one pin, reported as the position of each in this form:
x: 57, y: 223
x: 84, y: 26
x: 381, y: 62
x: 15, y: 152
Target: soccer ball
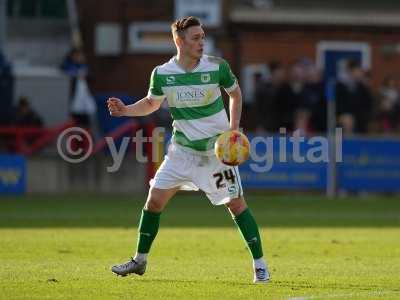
x: 232, y: 148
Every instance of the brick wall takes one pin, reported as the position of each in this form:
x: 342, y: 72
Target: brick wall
x: 240, y: 44
x: 286, y: 44
x: 126, y: 73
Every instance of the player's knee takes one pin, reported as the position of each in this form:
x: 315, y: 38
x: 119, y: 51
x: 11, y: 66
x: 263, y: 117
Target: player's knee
x: 155, y: 201
x: 154, y: 205
x: 237, y: 206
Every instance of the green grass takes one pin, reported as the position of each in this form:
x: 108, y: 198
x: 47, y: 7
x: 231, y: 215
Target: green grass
x: 62, y: 248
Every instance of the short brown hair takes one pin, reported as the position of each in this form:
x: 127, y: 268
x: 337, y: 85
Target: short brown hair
x: 180, y: 26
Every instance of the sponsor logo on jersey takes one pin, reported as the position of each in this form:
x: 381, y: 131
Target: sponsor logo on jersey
x: 190, y: 95
x: 206, y: 77
x: 232, y: 190
x: 170, y: 79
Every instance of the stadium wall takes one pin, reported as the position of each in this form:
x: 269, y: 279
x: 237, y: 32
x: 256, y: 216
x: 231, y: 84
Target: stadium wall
x: 53, y: 175
x: 241, y: 43
x: 129, y: 73
x: 265, y: 43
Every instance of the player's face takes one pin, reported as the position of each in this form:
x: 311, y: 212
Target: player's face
x: 193, y: 42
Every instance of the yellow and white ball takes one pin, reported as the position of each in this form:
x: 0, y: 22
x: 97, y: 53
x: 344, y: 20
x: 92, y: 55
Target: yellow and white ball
x: 232, y: 148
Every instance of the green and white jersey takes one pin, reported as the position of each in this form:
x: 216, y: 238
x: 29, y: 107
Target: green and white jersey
x: 195, y: 101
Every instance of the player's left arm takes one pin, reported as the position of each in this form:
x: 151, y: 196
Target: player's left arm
x: 229, y: 82
x: 235, y: 108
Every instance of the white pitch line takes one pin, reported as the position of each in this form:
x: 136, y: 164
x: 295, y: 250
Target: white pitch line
x: 339, y: 295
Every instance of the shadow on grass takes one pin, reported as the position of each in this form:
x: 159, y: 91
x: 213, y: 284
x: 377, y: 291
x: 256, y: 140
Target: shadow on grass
x: 195, y: 282
x: 194, y: 210
x: 276, y: 283
x: 335, y: 286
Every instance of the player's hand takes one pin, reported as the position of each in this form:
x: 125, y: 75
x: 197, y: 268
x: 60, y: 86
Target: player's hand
x: 116, y: 107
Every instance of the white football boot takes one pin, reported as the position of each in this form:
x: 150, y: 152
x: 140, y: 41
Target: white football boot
x: 130, y: 267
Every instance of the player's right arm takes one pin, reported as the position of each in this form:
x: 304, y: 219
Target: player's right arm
x: 143, y: 107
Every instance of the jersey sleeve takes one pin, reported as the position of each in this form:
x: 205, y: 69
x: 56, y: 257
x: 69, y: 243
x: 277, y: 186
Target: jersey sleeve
x: 155, y: 92
x: 227, y: 78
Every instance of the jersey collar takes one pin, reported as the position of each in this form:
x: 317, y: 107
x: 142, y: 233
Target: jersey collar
x: 175, y: 60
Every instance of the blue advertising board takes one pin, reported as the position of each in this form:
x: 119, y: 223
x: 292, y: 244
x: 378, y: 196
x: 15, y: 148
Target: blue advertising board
x: 363, y: 164
x: 278, y: 163
x: 370, y: 165
x: 12, y: 174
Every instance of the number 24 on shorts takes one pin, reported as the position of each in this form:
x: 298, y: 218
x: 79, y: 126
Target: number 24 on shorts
x: 227, y: 174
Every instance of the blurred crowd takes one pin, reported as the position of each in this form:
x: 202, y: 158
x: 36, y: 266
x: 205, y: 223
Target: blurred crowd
x: 291, y: 96
x: 294, y: 97
x: 20, y: 114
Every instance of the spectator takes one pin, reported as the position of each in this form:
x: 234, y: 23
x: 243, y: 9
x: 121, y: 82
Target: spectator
x: 354, y: 100
x: 6, y: 91
x: 74, y: 64
x: 291, y: 98
x: 254, y: 118
x: 266, y: 100
x: 315, y: 102
x: 82, y: 103
x: 389, y: 104
x: 25, y: 115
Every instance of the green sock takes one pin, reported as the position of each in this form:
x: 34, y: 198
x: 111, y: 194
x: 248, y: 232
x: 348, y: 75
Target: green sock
x: 148, y: 228
x: 249, y: 230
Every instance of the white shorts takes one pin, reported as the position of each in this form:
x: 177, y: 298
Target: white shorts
x: 189, y: 171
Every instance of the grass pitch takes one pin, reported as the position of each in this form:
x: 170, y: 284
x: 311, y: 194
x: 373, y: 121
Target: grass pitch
x: 62, y: 248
